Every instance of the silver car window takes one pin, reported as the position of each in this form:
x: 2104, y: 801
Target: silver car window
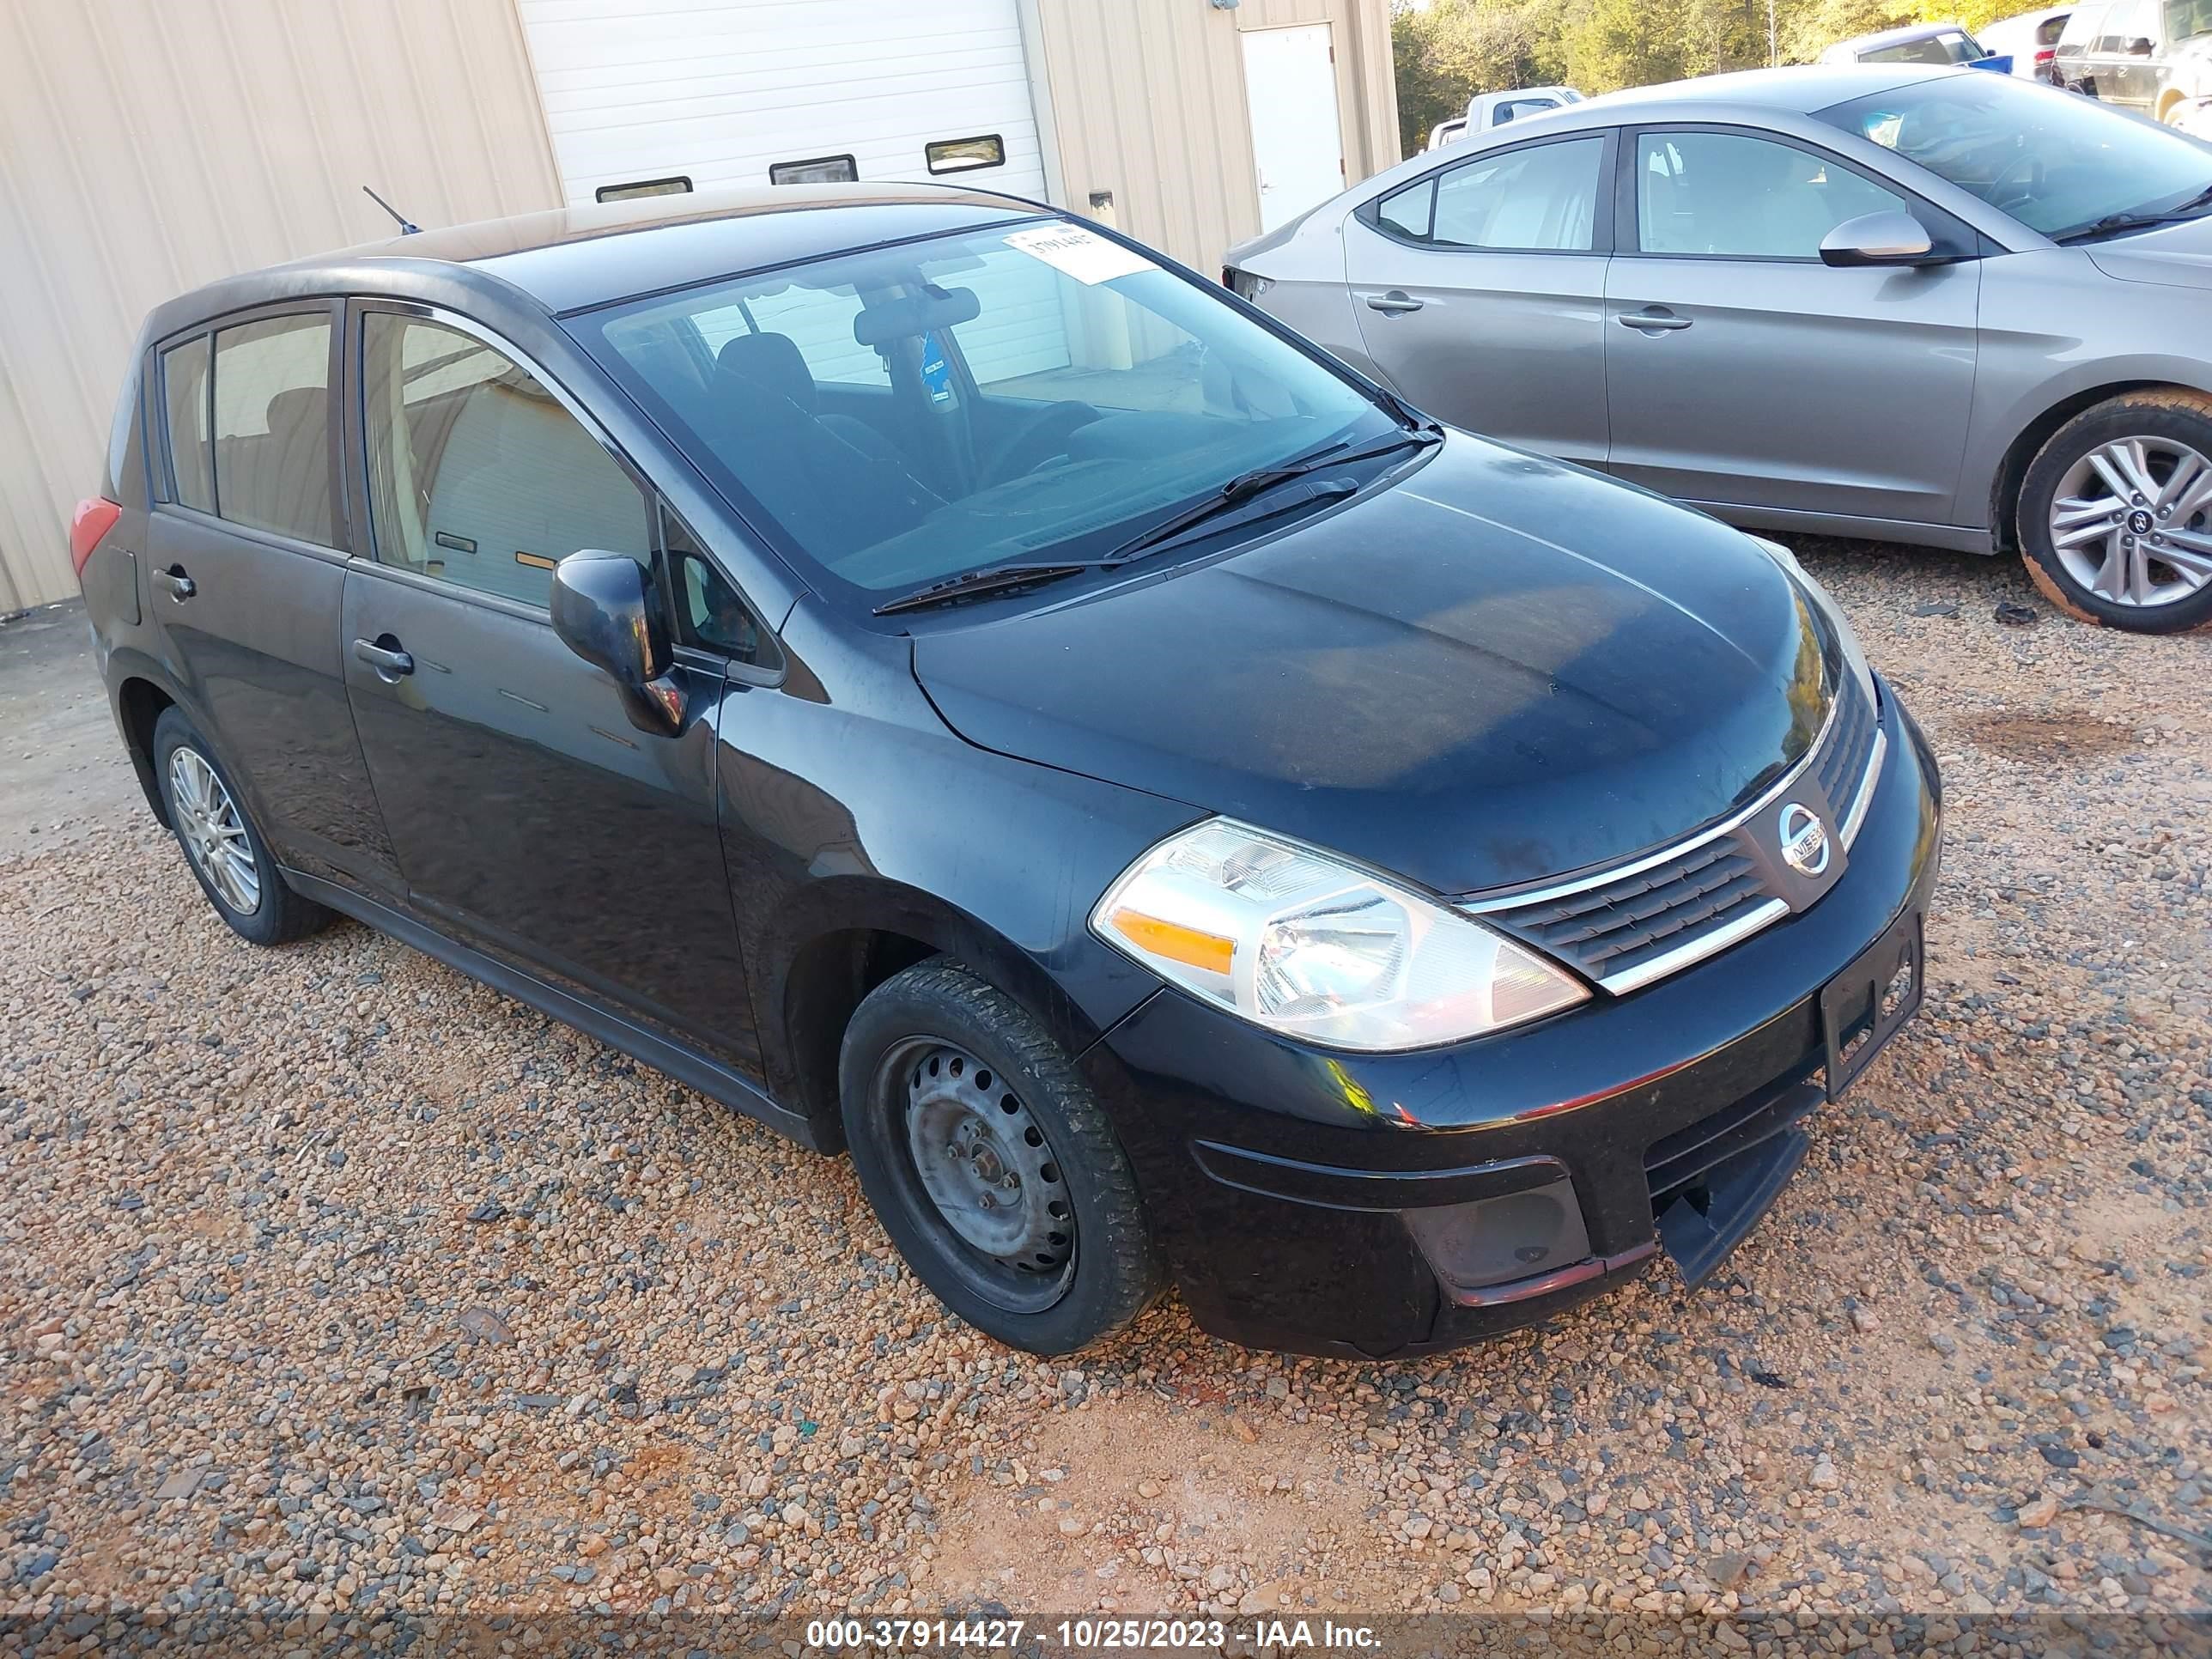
x: 1729, y: 195
x: 1543, y: 198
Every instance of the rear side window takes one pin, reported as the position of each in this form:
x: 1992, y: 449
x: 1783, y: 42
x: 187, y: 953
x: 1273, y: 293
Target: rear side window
x: 1543, y: 198
x: 272, y: 426
x: 184, y: 399
x: 478, y: 474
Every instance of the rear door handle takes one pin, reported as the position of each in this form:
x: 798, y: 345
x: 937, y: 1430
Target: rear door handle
x: 389, y: 662
x: 1654, y: 317
x: 1395, y: 299
x: 180, y: 587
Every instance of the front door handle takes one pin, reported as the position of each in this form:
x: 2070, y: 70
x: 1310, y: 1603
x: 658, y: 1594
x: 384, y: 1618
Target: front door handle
x: 389, y: 662
x: 1654, y: 318
x: 1395, y: 300
x: 179, y: 586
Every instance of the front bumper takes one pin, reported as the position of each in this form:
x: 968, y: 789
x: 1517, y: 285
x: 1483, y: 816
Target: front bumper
x: 1292, y: 1190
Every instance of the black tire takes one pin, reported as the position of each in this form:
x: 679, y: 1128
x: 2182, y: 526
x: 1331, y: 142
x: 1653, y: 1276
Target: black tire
x: 915, y: 1047
x: 2161, y: 419
x: 276, y: 915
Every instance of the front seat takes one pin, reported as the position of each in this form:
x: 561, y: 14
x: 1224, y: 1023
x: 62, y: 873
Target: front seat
x: 774, y: 360
x: 834, y: 492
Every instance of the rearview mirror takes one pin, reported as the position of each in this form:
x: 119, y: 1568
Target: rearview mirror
x: 916, y: 314
x: 604, y: 610
x: 1893, y: 238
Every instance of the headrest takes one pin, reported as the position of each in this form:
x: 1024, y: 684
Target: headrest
x: 771, y: 360
x: 304, y: 408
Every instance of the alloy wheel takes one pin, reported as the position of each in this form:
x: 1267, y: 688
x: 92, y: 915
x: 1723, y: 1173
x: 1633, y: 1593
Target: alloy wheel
x: 983, y: 1165
x: 214, y: 831
x: 2131, y: 521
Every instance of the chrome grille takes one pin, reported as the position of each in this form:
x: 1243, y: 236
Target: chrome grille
x: 1628, y: 926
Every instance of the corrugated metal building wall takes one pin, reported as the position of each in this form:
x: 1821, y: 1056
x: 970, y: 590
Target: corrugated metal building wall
x: 147, y: 146
x: 1147, y: 102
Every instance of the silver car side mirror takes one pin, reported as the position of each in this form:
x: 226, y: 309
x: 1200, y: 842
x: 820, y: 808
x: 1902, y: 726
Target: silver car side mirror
x: 1891, y: 238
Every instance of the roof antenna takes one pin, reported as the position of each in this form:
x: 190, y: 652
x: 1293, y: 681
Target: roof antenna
x: 407, y: 226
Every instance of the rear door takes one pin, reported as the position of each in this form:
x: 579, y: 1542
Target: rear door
x: 243, y: 553
x: 1741, y: 371
x: 530, y: 817
x: 1479, y: 291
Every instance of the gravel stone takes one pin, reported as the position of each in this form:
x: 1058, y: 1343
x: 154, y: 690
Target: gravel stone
x: 337, y: 1288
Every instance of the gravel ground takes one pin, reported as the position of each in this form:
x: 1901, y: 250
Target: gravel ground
x: 335, y: 1286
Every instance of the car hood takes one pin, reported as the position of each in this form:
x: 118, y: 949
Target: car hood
x: 2178, y: 256
x: 1500, y: 670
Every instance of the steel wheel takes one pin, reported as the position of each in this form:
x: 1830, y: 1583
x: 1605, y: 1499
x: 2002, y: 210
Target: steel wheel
x: 983, y: 1164
x: 2131, y: 521
x: 214, y: 833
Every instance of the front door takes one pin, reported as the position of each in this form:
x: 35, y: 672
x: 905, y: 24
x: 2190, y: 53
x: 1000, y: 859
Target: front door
x: 1479, y: 291
x: 1289, y: 97
x: 1741, y: 371
x: 245, y: 571
x: 529, y: 815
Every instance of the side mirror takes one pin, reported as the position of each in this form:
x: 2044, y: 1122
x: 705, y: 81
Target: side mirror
x: 604, y: 610
x: 2140, y: 46
x: 1893, y: 238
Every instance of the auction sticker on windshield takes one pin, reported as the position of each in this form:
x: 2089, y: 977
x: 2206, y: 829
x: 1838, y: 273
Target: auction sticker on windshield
x: 1074, y: 251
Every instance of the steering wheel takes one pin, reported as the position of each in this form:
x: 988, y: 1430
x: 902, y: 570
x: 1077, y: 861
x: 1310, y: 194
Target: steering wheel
x: 1045, y: 437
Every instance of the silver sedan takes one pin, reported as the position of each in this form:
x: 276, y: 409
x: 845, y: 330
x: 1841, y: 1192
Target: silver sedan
x: 1925, y: 304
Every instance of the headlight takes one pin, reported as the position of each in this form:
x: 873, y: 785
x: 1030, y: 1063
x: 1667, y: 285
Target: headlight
x: 1292, y: 938
x: 1821, y: 600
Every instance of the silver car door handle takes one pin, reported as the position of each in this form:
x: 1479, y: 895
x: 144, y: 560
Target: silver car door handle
x: 1653, y: 319
x: 181, y: 586
x: 390, y: 663
x: 1393, y: 301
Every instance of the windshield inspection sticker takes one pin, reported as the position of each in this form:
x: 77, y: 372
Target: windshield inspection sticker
x: 1077, y: 253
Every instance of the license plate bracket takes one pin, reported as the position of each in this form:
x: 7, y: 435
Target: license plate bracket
x: 1867, y: 1004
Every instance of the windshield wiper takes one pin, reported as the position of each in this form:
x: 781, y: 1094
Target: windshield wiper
x: 992, y: 579
x: 1245, y: 485
x: 2135, y: 219
x: 998, y: 578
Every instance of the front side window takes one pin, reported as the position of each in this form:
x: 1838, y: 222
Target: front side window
x: 1040, y: 393
x: 272, y: 426
x: 478, y: 474
x: 1728, y: 195
x: 2058, y: 165
x: 184, y: 399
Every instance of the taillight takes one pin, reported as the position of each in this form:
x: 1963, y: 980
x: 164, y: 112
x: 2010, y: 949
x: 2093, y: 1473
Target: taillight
x: 2045, y: 55
x: 93, y: 519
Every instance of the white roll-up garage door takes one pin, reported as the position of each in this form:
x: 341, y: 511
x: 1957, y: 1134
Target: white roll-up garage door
x: 720, y: 91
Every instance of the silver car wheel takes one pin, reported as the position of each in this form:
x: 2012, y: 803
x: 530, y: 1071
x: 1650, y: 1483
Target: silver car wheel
x: 2131, y: 521
x: 214, y: 833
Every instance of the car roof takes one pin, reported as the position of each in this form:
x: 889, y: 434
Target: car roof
x: 571, y: 259
x: 1802, y: 88
x: 1906, y: 32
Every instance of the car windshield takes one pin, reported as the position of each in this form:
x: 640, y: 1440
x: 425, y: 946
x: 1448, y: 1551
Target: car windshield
x: 2056, y: 162
x: 1030, y: 393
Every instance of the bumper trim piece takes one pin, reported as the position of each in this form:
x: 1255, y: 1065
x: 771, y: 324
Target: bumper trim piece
x: 1559, y: 1278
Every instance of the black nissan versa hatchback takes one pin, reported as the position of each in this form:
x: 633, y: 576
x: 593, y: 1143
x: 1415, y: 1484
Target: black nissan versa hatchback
x: 963, y: 689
